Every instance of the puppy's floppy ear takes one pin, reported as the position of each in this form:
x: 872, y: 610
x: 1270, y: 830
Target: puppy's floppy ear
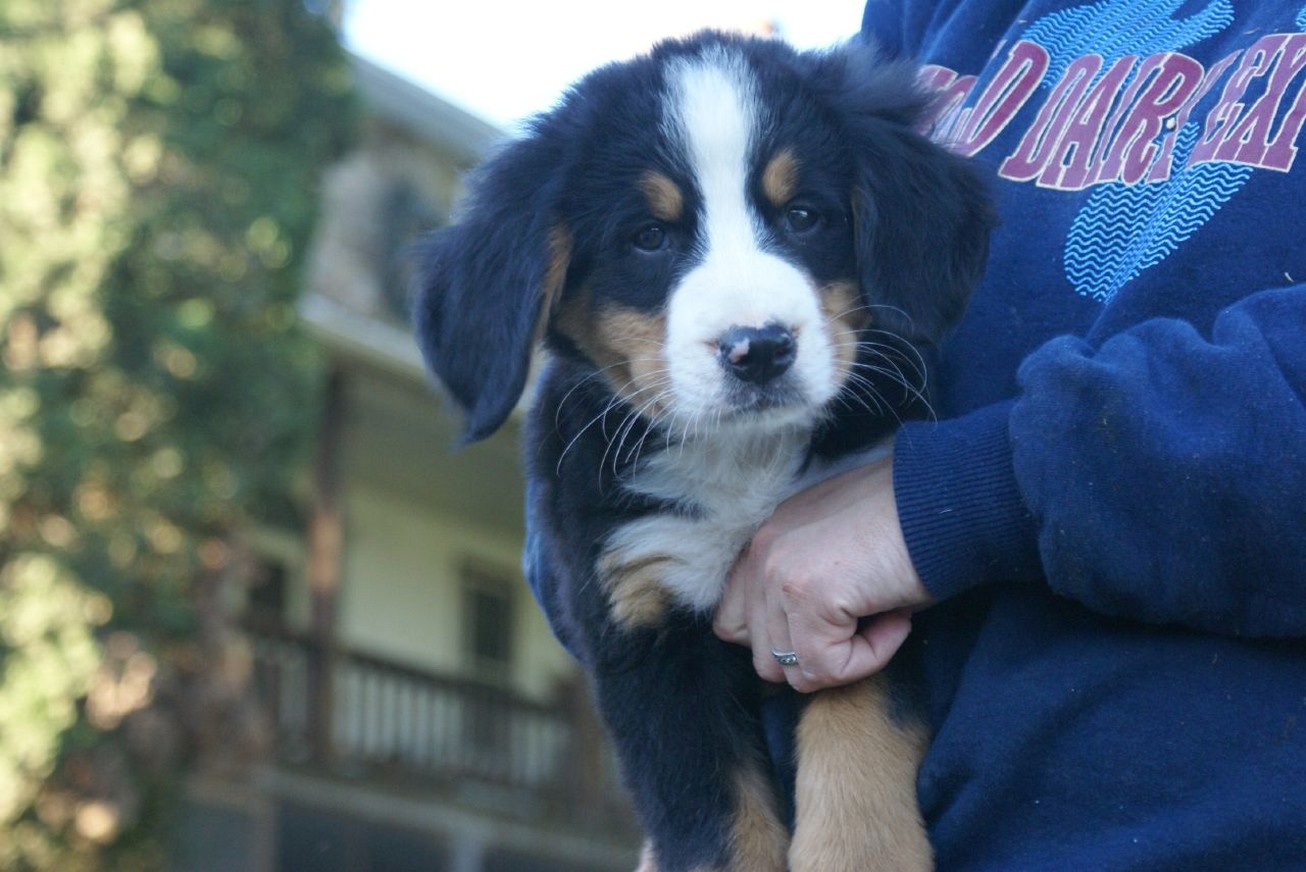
x: 486, y: 284
x: 921, y: 215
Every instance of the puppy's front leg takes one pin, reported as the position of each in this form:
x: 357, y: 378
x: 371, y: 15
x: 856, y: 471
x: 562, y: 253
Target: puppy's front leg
x: 756, y: 841
x: 677, y: 704
x: 856, y: 786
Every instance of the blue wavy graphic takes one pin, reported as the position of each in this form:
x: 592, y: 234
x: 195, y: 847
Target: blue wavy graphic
x: 1301, y: 18
x: 1115, y: 28
x: 1124, y: 230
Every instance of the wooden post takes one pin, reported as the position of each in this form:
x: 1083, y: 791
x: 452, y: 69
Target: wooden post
x: 325, y: 553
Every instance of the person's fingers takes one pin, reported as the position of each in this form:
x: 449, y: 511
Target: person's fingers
x: 875, y: 644
x: 825, y: 559
x: 774, y: 657
x: 801, y: 609
x: 830, y: 646
x: 730, y: 621
x: 742, y: 617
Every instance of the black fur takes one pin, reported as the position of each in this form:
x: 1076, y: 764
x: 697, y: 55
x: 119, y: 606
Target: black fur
x: 907, y: 221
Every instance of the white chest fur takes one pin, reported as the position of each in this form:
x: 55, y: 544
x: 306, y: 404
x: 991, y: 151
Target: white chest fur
x: 733, y: 481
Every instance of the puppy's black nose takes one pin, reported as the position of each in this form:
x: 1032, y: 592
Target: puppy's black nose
x: 757, y: 354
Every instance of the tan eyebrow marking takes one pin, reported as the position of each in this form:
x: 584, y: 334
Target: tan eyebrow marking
x: 780, y: 178
x: 665, y: 199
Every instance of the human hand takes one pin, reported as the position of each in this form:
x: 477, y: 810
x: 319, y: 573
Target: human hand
x: 827, y: 558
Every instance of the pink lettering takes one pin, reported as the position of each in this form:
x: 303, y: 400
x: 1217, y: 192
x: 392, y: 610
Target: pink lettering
x: 1164, y: 84
x: 1003, y: 97
x: 1071, y: 168
x: 1282, y: 153
x: 1249, y: 141
x: 1036, y: 150
x: 1123, y: 123
x: 949, y: 91
x: 1229, y: 107
x: 1164, y: 163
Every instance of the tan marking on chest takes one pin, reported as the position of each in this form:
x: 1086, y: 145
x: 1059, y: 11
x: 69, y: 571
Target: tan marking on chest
x: 637, y: 597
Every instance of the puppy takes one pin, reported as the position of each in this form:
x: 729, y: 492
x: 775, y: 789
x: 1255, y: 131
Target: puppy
x: 734, y: 254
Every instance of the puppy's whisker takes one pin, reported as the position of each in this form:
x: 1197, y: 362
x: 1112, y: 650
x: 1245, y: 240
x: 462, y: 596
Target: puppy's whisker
x: 588, y: 424
x: 851, y: 310
x: 895, y: 376
x: 628, y: 426
x: 868, y: 397
x: 891, y: 363
x: 894, y: 354
x: 873, y: 401
x: 654, y: 425
x: 911, y: 322
x: 613, y: 402
x: 634, y: 415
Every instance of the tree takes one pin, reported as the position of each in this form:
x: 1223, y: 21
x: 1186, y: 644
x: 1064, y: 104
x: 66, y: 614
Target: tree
x: 158, y: 179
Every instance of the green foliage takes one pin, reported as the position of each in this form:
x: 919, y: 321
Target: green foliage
x: 159, y: 162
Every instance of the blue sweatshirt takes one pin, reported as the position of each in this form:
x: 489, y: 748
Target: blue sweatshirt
x: 1110, y: 505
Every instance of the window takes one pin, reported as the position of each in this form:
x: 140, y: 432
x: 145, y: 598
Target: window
x: 275, y: 596
x: 488, y: 623
x: 267, y: 591
x: 488, y: 649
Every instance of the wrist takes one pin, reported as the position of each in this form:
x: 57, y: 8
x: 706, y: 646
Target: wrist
x: 964, y: 521
x: 885, y: 546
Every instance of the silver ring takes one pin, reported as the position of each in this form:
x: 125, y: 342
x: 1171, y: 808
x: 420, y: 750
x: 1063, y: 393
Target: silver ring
x: 785, y: 658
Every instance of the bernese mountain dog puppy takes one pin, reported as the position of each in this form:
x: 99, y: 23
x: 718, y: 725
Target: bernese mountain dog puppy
x: 735, y: 255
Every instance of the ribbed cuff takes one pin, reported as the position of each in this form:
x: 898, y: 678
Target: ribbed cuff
x: 962, y: 515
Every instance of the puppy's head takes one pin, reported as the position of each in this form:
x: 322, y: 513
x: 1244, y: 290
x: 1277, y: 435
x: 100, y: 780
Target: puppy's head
x: 721, y: 229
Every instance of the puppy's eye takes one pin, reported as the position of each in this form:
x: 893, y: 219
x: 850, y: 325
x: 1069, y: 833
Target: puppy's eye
x: 651, y: 237
x: 801, y: 219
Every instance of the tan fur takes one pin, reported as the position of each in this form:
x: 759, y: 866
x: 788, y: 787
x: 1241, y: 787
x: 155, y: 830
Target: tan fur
x: 555, y: 278
x: 841, y: 303
x: 856, y: 787
x: 758, y: 839
x: 635, y: 590
x: 640, y: 339
x: 665, y: 199
x: 780, y: 178
x: 627, y: 345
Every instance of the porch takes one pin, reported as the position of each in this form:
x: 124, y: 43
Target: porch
x: 376, y: 764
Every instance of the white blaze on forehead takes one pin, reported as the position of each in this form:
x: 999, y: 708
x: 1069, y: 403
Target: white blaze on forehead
x: 717, y: 118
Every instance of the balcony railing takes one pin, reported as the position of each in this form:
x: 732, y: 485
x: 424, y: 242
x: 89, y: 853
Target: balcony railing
x: 365, y: 717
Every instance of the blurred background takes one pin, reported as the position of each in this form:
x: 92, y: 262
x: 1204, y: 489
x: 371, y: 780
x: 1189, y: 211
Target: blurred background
x: 255, y: 613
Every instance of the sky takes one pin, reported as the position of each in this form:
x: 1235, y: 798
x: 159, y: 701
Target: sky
x: 504, y: 61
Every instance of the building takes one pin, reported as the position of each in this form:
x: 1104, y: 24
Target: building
x: 421, y: 714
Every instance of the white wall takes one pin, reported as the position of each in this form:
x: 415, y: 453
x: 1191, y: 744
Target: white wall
x: 402, y: 590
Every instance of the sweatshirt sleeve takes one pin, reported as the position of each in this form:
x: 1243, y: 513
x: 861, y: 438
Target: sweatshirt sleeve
x: 1158, y: 477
